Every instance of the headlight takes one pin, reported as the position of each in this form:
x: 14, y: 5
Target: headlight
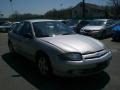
x: 82, y: 30
x: 71, y: 56
x: 107, y: 49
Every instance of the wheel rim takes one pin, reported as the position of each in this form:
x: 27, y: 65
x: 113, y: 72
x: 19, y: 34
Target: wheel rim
x: 43, y: 66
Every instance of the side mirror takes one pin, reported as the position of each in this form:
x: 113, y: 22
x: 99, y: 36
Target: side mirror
x: 28, y: 35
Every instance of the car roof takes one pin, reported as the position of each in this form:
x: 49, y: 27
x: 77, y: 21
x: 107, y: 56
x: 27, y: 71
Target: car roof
x: 102, y: 19
x: 15, y: 22
x: 39, y: 20
x: 61, y: 20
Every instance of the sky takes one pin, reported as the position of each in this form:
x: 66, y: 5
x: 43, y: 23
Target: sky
x: 39, y: 6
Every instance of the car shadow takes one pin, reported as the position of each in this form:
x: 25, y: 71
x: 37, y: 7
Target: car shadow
x: 115, y: 41
x: 103, y: 38
x: 29, y: 72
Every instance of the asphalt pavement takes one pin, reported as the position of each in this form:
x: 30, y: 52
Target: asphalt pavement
x: 17, y: 73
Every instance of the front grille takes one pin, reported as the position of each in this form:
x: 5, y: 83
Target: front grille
x: 87, y: 31
x: 93, y: 55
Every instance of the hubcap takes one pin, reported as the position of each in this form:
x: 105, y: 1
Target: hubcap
x: 43, y: 67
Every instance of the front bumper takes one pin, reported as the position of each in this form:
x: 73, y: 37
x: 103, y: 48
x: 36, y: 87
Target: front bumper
x: 96, y: 34
x: 83, y: 68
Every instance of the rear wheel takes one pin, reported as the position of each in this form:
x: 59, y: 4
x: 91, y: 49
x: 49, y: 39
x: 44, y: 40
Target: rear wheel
x: 11, y: 48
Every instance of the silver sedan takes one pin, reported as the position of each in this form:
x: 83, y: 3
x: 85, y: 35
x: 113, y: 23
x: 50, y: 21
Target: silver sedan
x: 99, y: 28
x: 57, y: 49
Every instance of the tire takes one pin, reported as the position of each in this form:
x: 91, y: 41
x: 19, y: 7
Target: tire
x: 44, y: 65
x: 11, y: 48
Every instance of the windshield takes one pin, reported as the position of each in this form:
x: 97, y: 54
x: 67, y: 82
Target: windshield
x: 50, y: 28
x: 96, y: 23
x: 72, y: 22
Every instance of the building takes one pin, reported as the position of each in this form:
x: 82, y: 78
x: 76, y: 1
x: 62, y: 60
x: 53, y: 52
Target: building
x: 91, y: 11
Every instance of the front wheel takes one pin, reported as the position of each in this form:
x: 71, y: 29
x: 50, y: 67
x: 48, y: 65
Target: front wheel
x: 44, y: 65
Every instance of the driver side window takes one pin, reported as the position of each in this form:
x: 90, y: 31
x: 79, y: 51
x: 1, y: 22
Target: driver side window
x: 110, y: 22
x: 25, y: 29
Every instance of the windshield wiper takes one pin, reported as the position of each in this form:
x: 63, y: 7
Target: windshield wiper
x: 67, y: 33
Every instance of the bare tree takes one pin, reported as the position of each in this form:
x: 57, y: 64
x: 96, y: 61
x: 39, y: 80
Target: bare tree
x: 116, y: 6
x: 1, y: 14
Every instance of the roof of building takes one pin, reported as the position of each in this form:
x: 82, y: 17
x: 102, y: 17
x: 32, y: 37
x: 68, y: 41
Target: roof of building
x: 89, y: 5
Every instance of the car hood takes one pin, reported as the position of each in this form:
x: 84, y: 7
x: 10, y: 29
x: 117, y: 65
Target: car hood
x: 93, y: 27
x: 75, y: 43
x: 116, y: 28
x: 4, y: 26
